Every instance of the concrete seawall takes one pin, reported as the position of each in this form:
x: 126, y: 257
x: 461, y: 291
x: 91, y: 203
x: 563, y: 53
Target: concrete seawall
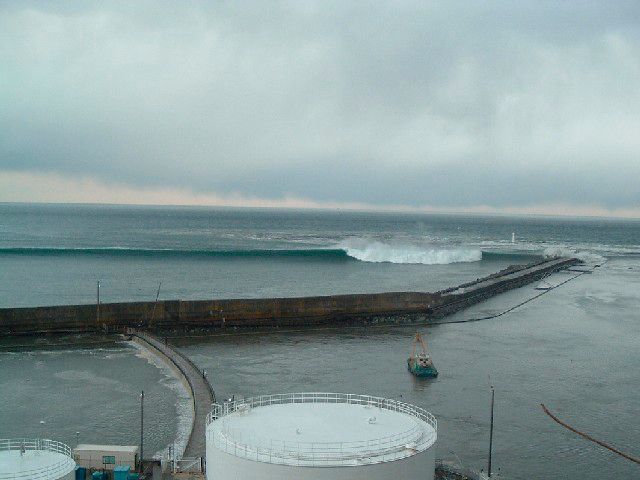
x: 267, y: 312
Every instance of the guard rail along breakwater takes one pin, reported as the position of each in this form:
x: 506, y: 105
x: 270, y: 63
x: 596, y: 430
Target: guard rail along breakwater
x: 269, y: 312
x: 199, y: 388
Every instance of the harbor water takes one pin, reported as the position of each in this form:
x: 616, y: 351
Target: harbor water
x: 576, y: 349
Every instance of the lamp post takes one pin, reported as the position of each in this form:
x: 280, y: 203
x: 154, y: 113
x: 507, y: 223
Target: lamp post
x: 491, y: 432
x: 141, y: 428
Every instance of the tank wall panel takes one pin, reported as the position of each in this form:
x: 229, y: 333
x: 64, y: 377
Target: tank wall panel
x: 69, y: 476
x: 223, y: 466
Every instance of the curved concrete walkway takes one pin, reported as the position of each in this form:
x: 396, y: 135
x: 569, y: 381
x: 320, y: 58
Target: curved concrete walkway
x: 201, y: 392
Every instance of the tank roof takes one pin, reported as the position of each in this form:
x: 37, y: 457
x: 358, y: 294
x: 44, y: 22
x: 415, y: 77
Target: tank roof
x: 34, y: 459
x: 321, y: 429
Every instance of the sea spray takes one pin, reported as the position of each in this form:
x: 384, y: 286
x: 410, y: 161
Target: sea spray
x: 562, y: 251
x: 379, y: 252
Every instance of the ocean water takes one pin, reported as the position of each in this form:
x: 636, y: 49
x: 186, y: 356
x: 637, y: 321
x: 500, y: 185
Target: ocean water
x: 576, y: 349
x: 56, y: 254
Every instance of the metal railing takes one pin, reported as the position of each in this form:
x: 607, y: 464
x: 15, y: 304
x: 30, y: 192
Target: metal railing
x: 156, y: 343
x: 49, y: 471
x: 166, y: 349
x: 188, y: 465
x: 382, y: 449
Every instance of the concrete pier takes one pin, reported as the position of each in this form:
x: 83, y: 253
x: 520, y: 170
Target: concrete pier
x: 198, y: 385
x: 269, y: 312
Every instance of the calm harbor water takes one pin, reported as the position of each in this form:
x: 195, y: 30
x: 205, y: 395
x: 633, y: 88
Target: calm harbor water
x: 576, y: 349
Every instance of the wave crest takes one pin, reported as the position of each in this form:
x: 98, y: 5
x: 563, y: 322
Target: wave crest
x: 561, y: 251
x: 379, y: 252
x: 349, y: 250
x: 328, y: 253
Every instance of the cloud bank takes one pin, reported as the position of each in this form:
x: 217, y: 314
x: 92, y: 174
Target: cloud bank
x: 463, y: 105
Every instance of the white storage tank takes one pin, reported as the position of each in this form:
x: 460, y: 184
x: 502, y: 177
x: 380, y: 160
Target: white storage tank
x: 320, y: 436
x: 35, y: 459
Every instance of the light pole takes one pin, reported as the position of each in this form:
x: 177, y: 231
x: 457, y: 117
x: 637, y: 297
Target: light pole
x: 141, y: 428
x: 491, y: 432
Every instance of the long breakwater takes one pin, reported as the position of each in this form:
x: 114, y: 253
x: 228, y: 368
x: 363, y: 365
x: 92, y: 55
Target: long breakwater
x: 269, y: 312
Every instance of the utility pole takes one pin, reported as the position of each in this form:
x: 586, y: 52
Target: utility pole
x: 153, y: 314
x: 141, y: 428
x: 491, y: 432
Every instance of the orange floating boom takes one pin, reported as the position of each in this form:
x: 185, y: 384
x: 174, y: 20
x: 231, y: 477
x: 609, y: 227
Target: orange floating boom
x: 589, y: 437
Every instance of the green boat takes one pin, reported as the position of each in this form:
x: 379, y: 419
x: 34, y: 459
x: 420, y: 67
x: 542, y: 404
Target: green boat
x: 420, y: 364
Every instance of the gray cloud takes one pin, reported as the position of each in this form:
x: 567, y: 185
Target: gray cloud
x: 440, y: 103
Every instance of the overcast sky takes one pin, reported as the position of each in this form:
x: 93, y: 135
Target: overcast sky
x: 477, y: 106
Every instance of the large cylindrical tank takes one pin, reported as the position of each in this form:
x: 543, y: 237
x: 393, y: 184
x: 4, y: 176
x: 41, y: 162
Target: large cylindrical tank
x: 35, y: 459
x: 320, y: 436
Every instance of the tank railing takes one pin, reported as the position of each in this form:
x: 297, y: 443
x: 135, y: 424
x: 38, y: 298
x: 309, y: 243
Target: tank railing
x: 316, y: 453
x: 402, y: 439
x: 321, y: 452
x: 314, y: 397
x: 57, y: 469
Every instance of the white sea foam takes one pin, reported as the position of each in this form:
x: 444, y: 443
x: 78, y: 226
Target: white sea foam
x: 376, y: 251
x: 588, y: 253
x: 562, y: 251
x: 184, y: 405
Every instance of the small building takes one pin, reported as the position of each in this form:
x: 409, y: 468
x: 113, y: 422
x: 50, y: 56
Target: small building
x: 106, y: 457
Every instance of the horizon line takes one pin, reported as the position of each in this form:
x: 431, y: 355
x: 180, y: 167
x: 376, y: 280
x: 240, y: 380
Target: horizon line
x: 319, y: 208
x: 50, y: 188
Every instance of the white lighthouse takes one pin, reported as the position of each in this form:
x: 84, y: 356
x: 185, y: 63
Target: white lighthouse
x: 320, y: 436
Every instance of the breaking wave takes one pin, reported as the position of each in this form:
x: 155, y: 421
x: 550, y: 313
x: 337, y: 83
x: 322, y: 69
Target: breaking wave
x: 561, y: 251
x: 379, y: 252
x: 355, y: 249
